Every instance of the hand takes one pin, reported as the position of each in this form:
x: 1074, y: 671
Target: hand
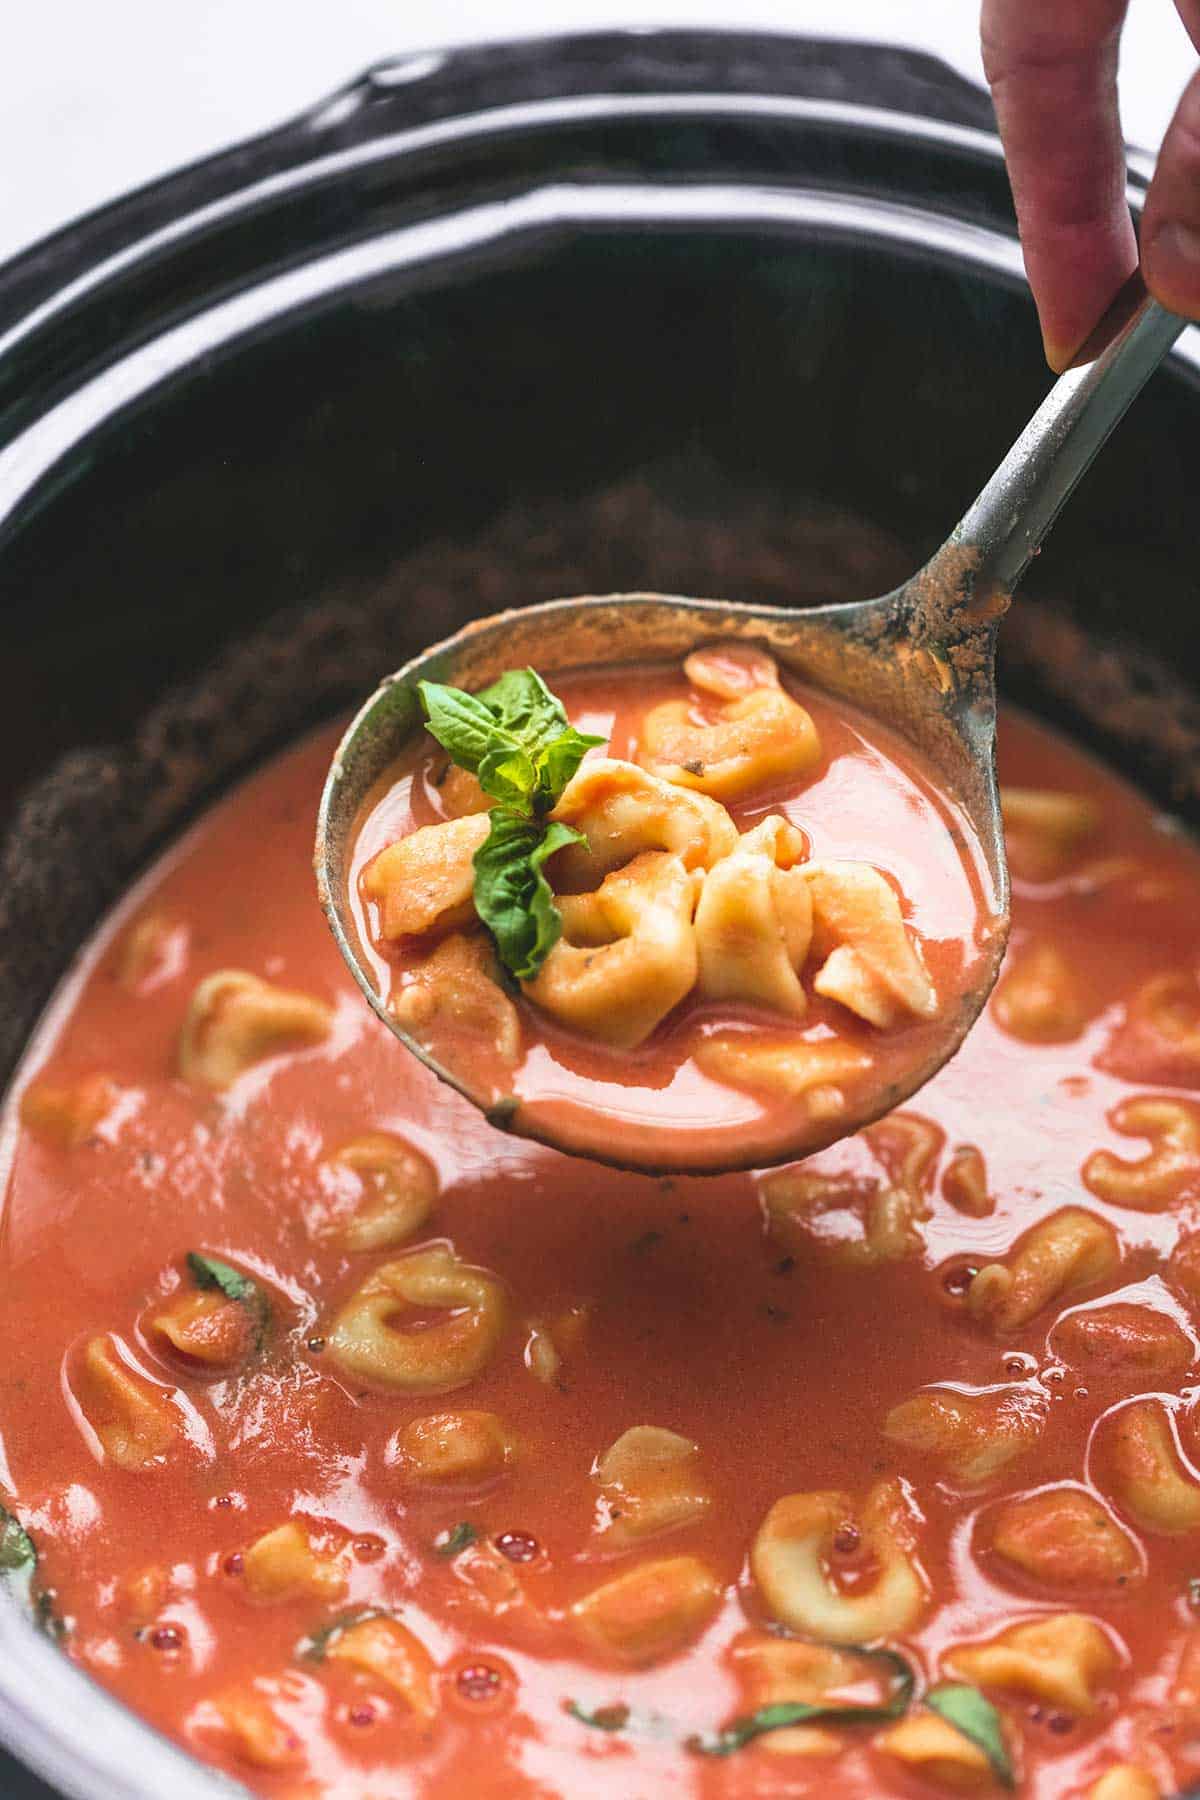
x: 1052, y: 69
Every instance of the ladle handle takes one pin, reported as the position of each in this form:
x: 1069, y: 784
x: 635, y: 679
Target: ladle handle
x: 1010, y: 518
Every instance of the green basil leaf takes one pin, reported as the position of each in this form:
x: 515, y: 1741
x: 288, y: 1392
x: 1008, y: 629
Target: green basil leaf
x: 315, y: 1646
x: 210, y: 1272
x: 46, y: 1619
x: 450, y: 1542
x: 18, y: 1553
x: 513, y: 736
x: 509, y: 776
x: 18, y: 1570
x: 560, y: 759
x: 603, y: 1718
x: 512, y: 896
x: 776, y: 1718
x: 522, y: 703
x: 973, y: 1714
x: 462, y: 724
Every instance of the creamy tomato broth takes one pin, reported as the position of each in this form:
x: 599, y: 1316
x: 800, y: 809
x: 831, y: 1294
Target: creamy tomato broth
x: 767, y: 927
x: 367, y: 1451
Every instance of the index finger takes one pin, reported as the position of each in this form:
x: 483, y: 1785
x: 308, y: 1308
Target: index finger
x: 1052, y: 70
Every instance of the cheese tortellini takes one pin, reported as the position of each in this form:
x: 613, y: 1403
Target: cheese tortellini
x: 868, y: 961
x: 399, y: 1187
x: 68, y: 1116
x: 1069, y: 1249
x: 453, y: 1447
x: 647, y: 1613
x: 790, y: 1563
x: 971, y: 1436
x: 1037, y: 997
x: 424, y: 883
x: 627, y: 955
x: 1156, y: 1179
x: 391, y: 1654
x: 662, y: 896
x: 285, y: 1564
x: 1044, y: 828
x: 235, y: 1019
x: 742, y: 730
x: 934, y: 1749
x: 649, y: 1484
x: 1062, y: 1658
x: 134, y: 1419
x: 1063, y: 1537
x: 779, y: 1671
x: 754, y: 921
x: 1149, y: 1478
x: 458, y: 986
x: 623, y: 810
x: 811, y: 1073
x: 368, y: 1341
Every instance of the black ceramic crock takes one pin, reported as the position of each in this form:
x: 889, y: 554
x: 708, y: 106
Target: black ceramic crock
x: 709, y: 313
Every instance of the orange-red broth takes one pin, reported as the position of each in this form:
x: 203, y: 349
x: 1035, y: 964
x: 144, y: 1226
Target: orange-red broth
x: 776, y: 1358
x: 867, y: 799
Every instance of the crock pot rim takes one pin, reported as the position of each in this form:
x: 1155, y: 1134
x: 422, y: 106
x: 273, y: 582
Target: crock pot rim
x: 64, y: 1725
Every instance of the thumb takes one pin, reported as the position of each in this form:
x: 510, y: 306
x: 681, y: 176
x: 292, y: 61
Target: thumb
x: 1171, y: 221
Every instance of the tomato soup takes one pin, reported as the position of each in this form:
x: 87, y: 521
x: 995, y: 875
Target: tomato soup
x: 367, y: 1451
x: 769, y: 920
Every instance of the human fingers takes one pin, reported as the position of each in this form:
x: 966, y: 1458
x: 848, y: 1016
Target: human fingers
x: 1052, y: 70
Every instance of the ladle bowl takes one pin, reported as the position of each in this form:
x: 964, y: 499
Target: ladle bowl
x: 920, y: 659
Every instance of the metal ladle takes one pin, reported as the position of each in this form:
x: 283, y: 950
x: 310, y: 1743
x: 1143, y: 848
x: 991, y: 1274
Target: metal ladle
x: 921, y: 659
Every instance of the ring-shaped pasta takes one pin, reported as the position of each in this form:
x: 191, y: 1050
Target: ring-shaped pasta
x: 869, y: 963
x: 741, y: 731
x: 623, y: 811
x: 791, y: 1554
x: 1069, y: 1249
x: 235, y: 1019
x: 754, y: 921
x: 627, y: 955
x: 1173, y: 1162
x: 367, y: 1342
x: 399, y: 1190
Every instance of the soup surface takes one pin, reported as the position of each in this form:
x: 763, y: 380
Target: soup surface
x: 366, y: 1451
x: 838, y: 899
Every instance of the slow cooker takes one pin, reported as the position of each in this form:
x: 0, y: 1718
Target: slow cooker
x: 704, y: 312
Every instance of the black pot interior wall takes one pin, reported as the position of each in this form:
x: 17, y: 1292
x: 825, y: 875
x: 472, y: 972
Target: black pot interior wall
x: 702, y: 414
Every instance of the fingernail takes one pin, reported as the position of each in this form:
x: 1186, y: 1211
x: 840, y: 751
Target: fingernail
x: 1058, y: 356
x: 1177, y: 242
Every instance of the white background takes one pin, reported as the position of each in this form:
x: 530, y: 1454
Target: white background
x: 100, y: 95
